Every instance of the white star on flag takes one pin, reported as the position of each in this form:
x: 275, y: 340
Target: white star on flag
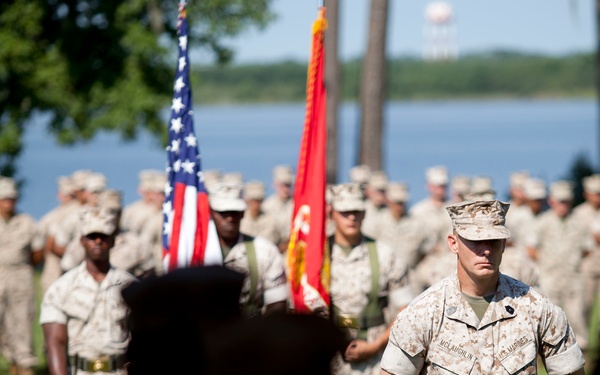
x: 177, y: 166
x: 177, y: 105
x: 183, y: 42
x: 167, y: 207
x: 175, y: 145
x: 176, y: 125
x: 190, y: 140
x: 188, y: 166
x: 179, y: 84
x: 181, y: 63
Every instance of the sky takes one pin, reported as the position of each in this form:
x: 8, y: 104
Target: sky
x: 553, y: 27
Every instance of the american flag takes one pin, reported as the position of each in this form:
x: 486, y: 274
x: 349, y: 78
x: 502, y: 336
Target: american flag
x: 189, y: 234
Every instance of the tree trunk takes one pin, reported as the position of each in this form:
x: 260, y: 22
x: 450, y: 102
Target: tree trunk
x: 332, y: 83
x: 373, y: 88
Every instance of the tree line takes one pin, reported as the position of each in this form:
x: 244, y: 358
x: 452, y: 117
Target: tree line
x: 499, y: 74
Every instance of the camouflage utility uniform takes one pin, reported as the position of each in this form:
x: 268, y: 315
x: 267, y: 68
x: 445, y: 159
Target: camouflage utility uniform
x: 95, y: 316
x: 271, y: 285
x: 440, y: 333
x: 351, y: 285
x: 17, y: 291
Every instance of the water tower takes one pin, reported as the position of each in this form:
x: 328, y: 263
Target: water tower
x: 439, y: 32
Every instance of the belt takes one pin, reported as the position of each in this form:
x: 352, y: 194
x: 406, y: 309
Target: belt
x: 105, y: 363
x: 358, y: 322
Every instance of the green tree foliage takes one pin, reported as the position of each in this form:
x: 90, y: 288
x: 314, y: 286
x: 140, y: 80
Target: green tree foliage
x: 101, y: 64
x: 490, y: 75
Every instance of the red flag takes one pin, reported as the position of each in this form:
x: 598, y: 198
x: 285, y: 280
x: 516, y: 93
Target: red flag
x: 308, y: 256
x: 189, y: 235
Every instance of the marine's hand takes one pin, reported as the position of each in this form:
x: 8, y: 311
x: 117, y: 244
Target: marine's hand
x: 359, y: 350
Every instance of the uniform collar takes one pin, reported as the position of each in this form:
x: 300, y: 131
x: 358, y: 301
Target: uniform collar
x: 501, y: 307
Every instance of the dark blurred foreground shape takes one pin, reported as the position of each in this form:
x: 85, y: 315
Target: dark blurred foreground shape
x: 189, y: 321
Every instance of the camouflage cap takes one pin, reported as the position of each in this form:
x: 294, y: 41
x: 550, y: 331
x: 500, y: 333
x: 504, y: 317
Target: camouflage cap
x: 535, y: 188
x: 226, y: 197
x: 283, y: 174
x: 561, y: 191
x: 461, y: 184
x: 80, y: 177
x: 328, y: 193
x: 95, y: 182
x: 157, y: 183
x: 254, y: 190
x: 211, y: 177
x: 360, y: 174
x: 8, y: 188
x: 147, y: 177
x: 348, y: 197
x: 480, y: 220
x: 111, y: 199
x: 591, y: 184
x: 97, y: 220
x: 480, y: 189
x: 518, y: 179
x: 437, y: 175
x: 233, y: 178
x: 66, y: 186
x: 378, y: 180
x: 397, y: 192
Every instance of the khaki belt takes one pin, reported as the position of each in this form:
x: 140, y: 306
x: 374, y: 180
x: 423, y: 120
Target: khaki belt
x: 105, y: 363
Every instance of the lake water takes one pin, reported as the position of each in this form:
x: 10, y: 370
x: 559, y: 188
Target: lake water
x: 491, y: 138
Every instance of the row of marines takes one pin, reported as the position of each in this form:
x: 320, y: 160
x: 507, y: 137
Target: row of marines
x: 399, y: 258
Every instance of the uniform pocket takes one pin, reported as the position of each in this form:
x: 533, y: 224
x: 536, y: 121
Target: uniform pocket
x: 521, y: 361
x: 444, y: 362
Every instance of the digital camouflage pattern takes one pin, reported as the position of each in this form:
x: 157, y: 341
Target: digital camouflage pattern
x: 95, y: 314
x: 272, y: 283
x: 17, y: 291
x: 440, y: 333
x: 350, y: 289
x: 479, y: 220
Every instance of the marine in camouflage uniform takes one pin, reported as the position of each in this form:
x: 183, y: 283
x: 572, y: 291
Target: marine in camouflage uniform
x: 128, y: 253
x: 17, y: 290
x: 524, y: 222
x: 587, y: 216
x: 67, y: 230
x: 83, y: 316
x: 358, y: 306
x: 136, y: 214
x: 479, y: 321
x: 399, y: 230
x: 558, y: 248
x: 265, y: 288
x: 280, y: 204
x: 54, y: 217
x: 256, y: 222
x: 438, y: 261
x: 375, y: 205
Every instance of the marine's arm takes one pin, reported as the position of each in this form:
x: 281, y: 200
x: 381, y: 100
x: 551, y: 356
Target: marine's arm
x: 55, y: 335
x: 359, y: 350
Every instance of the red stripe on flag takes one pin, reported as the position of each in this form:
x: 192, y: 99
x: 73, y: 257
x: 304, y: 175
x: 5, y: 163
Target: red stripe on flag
x: 178, y: 202
x: 201, y: 230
